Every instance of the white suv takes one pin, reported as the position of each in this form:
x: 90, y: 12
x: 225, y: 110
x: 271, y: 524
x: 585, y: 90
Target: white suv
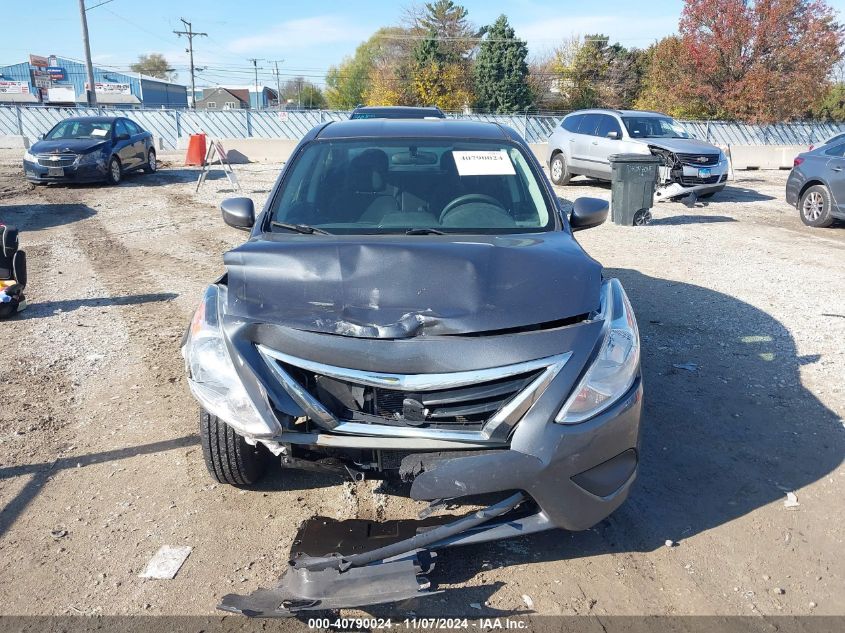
x: 584, y: 140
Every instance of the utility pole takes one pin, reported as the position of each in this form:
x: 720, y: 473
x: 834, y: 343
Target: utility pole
x: 276, y: 63
x: 255, y: 66
x: 91, y: 94
x: 190, y: 34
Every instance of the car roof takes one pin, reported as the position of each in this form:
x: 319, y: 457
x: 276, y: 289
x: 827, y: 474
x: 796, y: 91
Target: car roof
x: 94, y: 119
x: 643, y: 113
x: 421, y: 128
x: 395, y: 108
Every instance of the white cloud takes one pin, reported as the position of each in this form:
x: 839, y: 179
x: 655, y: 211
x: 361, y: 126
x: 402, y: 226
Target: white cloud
x: 302, y: 33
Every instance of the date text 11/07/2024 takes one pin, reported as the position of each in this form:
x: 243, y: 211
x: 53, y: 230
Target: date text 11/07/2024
x: 484, y: 624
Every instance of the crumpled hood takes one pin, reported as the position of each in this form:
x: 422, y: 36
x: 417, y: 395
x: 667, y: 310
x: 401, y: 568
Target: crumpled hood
x: 401, y: 286
x: 67, y: 146
x: 681, y: 145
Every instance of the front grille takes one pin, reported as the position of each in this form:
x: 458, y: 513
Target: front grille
x: 698, y: 160
x: 691, y: 181
x: 474, y: 406
x: 56, y: 160
x: 466, y: 407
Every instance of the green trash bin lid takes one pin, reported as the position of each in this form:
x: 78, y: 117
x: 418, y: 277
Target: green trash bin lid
x: 633, y: 158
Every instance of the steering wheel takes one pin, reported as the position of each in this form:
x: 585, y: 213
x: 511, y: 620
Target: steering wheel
x: 466, y: 199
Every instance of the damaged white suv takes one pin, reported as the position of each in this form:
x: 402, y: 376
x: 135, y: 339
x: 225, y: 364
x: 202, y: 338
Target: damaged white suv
x: 583, y: 142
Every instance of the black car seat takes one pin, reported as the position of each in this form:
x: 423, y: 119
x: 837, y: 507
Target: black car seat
x: 12, y: 272
x: 368, y: 187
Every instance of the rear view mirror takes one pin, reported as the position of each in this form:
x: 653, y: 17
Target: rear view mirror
x: 414, y: 158
x: 587, y: 213
x: 613, y: 134
x: 238, y: 213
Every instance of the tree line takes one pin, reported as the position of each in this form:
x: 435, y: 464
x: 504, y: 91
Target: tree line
x: 760, y: 61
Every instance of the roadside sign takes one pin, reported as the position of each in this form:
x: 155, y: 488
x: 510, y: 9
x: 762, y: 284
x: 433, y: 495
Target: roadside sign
x: 283, y: 116
x: 14, y: 87
x: 56, y: 73
x: 110, y: 88
x: 39, y: 61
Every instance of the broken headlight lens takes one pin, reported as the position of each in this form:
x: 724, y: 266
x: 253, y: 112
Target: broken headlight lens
x: 211, y: 374
x: 615, y: 368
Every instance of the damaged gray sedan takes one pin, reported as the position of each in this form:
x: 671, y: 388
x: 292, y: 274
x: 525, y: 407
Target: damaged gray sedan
x: 412, y: 304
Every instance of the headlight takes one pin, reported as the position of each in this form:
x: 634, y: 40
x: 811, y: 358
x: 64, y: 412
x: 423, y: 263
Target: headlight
x: 29, y: 157
x: 617, y: 364
x: 211, y: 374
x: 92, y: 158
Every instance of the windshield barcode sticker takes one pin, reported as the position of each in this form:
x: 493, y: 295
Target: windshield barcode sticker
x: 99, y: 132
x: 494, y: 163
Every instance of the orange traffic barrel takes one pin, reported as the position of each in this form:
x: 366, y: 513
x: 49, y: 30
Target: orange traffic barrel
x: 196, y: 150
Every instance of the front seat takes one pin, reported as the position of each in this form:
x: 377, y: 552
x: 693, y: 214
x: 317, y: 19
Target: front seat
x: 368, y: 186
x: 12, y: 272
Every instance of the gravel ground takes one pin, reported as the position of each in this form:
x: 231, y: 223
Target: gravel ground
x: 101, y: 463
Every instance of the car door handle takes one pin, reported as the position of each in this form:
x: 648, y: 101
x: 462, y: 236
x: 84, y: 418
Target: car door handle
x: 572, y: 140
x: 595, y: 142
x: 836, y: 168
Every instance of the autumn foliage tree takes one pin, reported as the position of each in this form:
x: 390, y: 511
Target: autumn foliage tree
x: 759, y: 61
x: 663, y: 83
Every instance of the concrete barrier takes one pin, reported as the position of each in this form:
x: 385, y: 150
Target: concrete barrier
x: 541, y: 151
x: 742, y: 156
x: 252, y: 150
x: 764, y: 156
x: 14, y: 142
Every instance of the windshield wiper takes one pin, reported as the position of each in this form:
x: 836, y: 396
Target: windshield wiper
x: 299, y: 228
x: 422, y: 231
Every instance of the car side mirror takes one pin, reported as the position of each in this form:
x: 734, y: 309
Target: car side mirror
x: 41, y: 137
x: 238, y: 213
x: 613, y: 134
x: 587, y: 213
x: 122, y: 137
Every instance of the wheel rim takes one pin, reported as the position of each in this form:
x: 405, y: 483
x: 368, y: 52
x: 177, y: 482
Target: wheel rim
x: 115, y: 170
x: 813, y: 205
x: 152, y: 161
x: 557, y: 169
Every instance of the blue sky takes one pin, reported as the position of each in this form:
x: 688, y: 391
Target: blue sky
x: 308, y: 36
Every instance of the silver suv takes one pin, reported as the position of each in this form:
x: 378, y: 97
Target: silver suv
x: 584, y: 140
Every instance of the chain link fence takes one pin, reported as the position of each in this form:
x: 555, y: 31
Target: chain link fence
x: 169, y: 125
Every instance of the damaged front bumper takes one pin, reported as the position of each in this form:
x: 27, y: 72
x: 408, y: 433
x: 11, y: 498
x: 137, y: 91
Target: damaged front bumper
x: 558, y: 471
x: 678, y: 179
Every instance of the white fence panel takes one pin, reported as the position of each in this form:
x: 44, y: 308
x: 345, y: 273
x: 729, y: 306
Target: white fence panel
x: 170, y: 125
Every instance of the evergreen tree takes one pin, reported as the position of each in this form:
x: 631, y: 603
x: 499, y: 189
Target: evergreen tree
x: 501, y: 71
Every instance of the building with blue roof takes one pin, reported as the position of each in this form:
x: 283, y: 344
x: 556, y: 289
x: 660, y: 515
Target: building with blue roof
x: 62, y: 81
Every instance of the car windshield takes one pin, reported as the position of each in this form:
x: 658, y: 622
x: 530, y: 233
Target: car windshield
x: 70, y: 129
x: 420, y: 185
x: 653, y: 127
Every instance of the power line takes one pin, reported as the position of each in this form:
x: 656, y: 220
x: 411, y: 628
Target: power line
x: 99, y: 5
x: 255, y: 67
x: 276, y: 63
x: 191, y: 34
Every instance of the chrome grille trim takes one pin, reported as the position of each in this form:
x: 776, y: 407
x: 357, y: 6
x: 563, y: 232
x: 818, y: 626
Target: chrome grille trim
x: 495, y: 431
x: 410, y: 382
x: 56, y: 160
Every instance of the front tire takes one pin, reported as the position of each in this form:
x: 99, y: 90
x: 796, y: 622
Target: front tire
x: 152, y: 165
x: 559, y: 171
x: 815, y: 207
x: 115, y: 172
x: 228, y: 457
